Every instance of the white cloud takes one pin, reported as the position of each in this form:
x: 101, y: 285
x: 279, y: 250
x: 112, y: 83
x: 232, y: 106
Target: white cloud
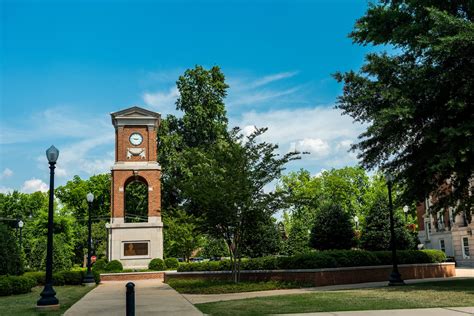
x: 315, y: 146
x: 34, y: 185
x: 163, y: 101
x: 320, y: 130
x: 5, y: 190
x: 6, y: 173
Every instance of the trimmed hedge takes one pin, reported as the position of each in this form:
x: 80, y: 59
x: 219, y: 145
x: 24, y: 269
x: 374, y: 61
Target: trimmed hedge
x: 73, y: 277
x: 114, y: 266
x: 157, y: 264
x: 321, y: 260
x: 171, y: 263
x: 10, y: 284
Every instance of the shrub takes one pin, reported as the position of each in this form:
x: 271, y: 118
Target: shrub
x: 100, y: 265
x: 332, y: 229
x: 114, y: 266
x: 321, y: 260
x: 16, y: 284
x: 171, y: 263
x: 157, y: 264
x: 411, y: 256
x: 11, y: 261
x: 72, y: 277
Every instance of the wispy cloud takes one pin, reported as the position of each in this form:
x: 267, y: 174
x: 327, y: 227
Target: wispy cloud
x: 54, y: 122
x: 259, y: 91
x: 162, y: 101
x: 272, y: 78
x: 6, y: 173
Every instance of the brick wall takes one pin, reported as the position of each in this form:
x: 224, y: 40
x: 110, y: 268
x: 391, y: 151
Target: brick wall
x: 322, y: 277
x: 152, y: 178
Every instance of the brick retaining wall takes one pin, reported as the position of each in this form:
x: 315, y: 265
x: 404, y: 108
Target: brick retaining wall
x: 130, y: 276
x: 333, y: 276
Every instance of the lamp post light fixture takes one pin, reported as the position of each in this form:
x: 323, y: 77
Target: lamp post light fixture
x: 356, y: 221
x: 89, y: 278
x: 48, y: 299
x: 395, y: 277
x: 405, y: 210
x: 20, y: 226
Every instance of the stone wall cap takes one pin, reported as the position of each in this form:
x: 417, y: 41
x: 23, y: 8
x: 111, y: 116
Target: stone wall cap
x: 131, y: 273
x: 312, y: 270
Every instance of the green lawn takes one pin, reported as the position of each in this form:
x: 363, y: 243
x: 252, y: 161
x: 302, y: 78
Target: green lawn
x: 452, y: 293
x: 200, y: 286
x: 25, y: 304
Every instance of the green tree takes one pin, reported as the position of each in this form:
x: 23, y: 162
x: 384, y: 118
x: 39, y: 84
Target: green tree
x: 214, y: 248
x: 261, y: 239
x: 181, y: 235
x: 375, y: 234
x: 418, y: 99
x: 10, y: 252
x: 227, y: 182
x: 136, y: 202
x: 73, y: 199
x: 332, y: 228
x: 204, y: 121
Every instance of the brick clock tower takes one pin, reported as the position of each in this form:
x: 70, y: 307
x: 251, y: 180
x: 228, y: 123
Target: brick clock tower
x: 134, y: 242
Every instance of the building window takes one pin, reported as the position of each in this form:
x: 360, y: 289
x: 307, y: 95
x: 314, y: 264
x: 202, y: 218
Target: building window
x: 465, y: 248
x: 134, y: 249
x: 442, y: 245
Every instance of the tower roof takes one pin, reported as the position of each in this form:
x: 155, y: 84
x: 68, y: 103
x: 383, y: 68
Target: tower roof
x: 135, y: 116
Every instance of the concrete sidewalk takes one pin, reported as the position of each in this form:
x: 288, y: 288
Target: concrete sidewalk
x: 448, y: 311
x: 208, y: 298
x: 152, y: 297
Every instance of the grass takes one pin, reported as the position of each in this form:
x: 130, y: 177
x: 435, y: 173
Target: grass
x: 25, y: 304
x: 201, y: 286
x: 452, y: 293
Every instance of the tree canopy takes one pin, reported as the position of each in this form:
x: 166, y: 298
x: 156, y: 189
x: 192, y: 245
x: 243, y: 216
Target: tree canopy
x: 418, y: 99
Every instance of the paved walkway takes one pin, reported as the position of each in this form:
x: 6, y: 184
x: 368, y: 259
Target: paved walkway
x: 448, y: 311
x: 152, y: 297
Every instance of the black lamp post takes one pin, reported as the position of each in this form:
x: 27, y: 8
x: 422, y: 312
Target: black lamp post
x: 89, y: 278
x: 48, y: 298
x: 395, y: 277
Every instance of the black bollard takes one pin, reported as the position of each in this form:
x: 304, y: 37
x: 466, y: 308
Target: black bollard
x: 130, y: 299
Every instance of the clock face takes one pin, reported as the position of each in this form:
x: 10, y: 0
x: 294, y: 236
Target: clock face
x: 136, y: 139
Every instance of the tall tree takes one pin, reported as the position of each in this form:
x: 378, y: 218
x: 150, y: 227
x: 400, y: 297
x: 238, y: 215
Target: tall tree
x: 418, y: 100
x: 204, y: 121
x: 227, y: 185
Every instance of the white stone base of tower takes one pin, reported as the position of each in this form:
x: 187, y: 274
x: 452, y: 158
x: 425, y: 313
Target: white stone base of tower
x: 135, y: 244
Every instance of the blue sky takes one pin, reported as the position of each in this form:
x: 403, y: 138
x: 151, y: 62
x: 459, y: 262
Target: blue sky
x: 65, y: 65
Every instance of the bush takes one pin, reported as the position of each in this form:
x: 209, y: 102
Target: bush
x: 321, y: 260
x: 114, y: 266
x: 16, y: 284
x: 157, y: 264
x: 100, y: 265
x: 332, y: 229
x: 171, y: 263
x: 11, y: 261
x: 72, y: 277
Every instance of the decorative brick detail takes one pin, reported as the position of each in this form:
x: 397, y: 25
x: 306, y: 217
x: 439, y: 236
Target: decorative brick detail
x: 132, y: 276
x: 322, y: 277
